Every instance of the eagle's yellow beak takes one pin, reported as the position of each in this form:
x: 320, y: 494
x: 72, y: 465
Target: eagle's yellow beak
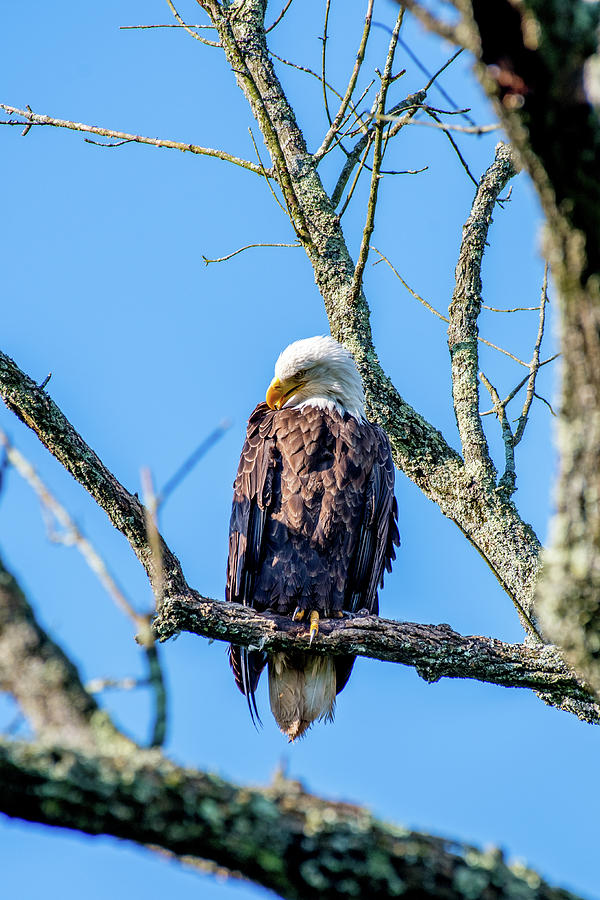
x: 279, y: 392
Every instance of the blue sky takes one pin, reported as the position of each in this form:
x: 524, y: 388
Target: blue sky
x: 105, y: 286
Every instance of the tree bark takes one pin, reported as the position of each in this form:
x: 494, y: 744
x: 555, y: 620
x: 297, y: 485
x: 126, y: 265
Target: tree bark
x: 281, y: 837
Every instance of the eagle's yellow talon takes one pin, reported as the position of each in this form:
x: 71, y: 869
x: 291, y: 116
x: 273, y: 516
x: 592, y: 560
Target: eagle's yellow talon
x: 314, y: 625
x: 298, y: 614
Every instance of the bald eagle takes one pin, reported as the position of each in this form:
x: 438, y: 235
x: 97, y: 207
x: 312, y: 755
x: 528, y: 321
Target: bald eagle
x: 313, y: 523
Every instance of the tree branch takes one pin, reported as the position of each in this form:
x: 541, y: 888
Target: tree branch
x: 35, y: 119
x: 281, y: 837
x: 42, y: 679
x: 463, y: 314
x: 435, y: 651
x: 35, y: 408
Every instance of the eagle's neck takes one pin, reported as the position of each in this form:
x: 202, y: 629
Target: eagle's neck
x: 357, y: 410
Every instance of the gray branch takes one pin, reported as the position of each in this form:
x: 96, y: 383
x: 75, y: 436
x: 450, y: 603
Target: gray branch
x: 463, y: 314
x: 435, y: 651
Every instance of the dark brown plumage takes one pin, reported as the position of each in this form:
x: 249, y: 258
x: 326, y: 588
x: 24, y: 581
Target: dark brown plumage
x: 313, y: 526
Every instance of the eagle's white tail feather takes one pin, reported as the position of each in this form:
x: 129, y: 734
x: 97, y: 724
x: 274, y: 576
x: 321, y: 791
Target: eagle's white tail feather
x: 302, y: 689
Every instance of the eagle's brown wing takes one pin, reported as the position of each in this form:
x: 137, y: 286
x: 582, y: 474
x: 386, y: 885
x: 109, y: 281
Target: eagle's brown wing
x: 377, y: 538
x: 252, y: 498
x: 378, y: 530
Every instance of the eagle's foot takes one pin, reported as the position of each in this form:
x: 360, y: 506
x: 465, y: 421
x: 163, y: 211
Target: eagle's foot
x: 314, y: 625
x: 298, y: 614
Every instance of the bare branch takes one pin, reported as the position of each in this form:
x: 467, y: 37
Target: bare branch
x: 35, y: 119
x: 219, y: 259
x: 463, y: 313
x: 333, y: 128
x: 535, y: 362
x: 443, y: 318
x: 72, y: 535
x: 445, y: 126
x: 35, y: 408
x: 193, y: 459
x: 279, y: 17
x: 378, y: 151
x: 188, y: 28
x: 508, y: 480
x: 435, y: 651
x: 454, y: 146
x: 324, y: 40
x: 411, y: 104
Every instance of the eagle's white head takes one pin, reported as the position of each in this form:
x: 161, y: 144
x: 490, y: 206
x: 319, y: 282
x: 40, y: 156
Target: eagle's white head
x: 317, y: 371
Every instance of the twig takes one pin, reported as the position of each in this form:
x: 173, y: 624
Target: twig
x: 514, y: 308
x: 73, y: 536
x: 465, y: 129
x: 333, y: 128
x: 279, y: 17
x: 535, y: 361
x: 362, y: 164
x: 378, y: 150
x: 188, y: 28
x: 156, y: 680
x: 324, y: 40
x: 455, y: 147
x: 219, y: 259
x: 102, y: 144
x: 543, y: 399
x: 193, y: 459
x: 433, y: 78
x: 507, y: 483
x: 444, y: 318
x: 146, y: 635
x: 265, y: 174
x: 168, y: 25
x: 35, y: 119
x: 152, y: 534
x: 98, y: 685
x: 352, y: 106
x: 523, y: 381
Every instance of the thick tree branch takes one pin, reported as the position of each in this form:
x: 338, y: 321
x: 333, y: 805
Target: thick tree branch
x: 35, y: 408
x: 463, y: 314
x: 282, y: 837
x: 435, y: 651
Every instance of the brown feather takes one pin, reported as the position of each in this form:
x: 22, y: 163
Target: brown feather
x: 313, y: 525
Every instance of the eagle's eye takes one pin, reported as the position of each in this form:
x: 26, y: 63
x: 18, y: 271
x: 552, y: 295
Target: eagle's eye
x: 299, y: 375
